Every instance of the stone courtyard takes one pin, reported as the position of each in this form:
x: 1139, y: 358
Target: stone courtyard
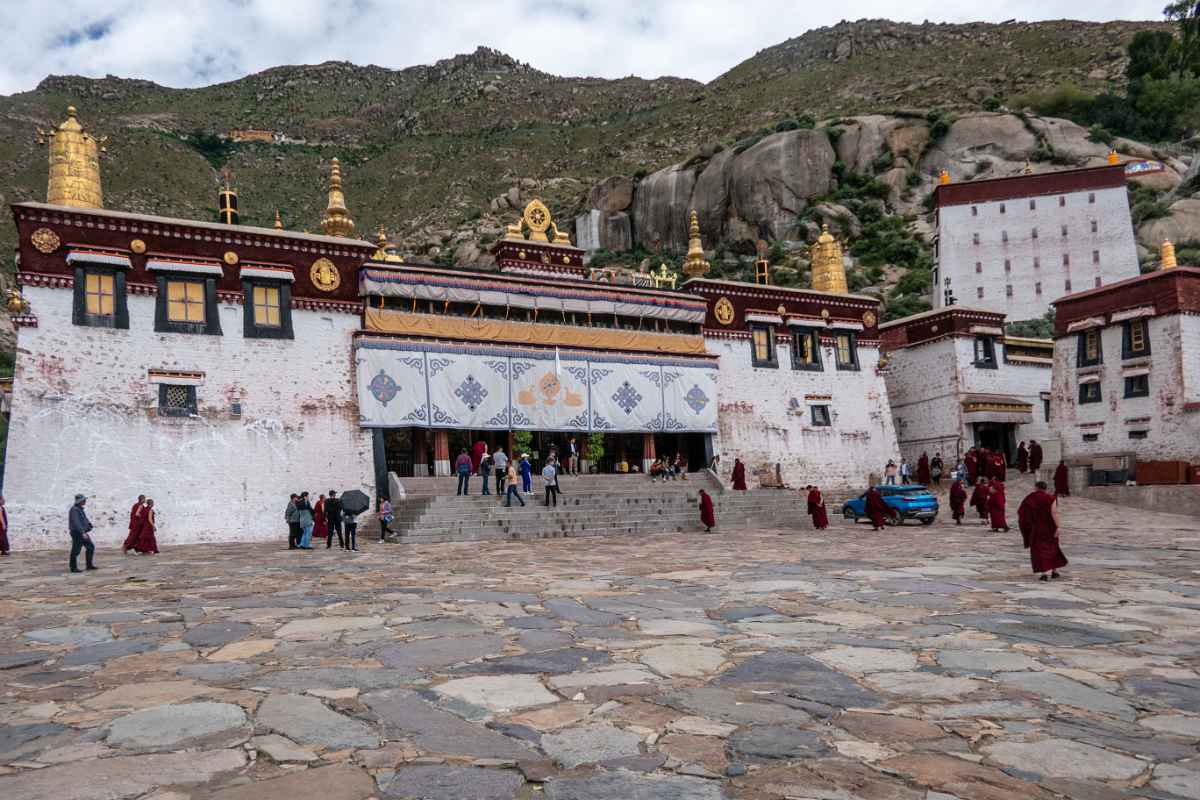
x: 921, y: 663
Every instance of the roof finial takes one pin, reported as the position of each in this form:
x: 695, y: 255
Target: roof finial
x: 337, y: 221
x: 828, y: 271
x: 278, y: 221
x: 1113, y: 158
x: 74, y: 166
x: 1167, y: 255
x: 694, y: 266
x: 944, y: 177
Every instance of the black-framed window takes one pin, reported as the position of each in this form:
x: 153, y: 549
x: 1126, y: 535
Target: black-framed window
x: 1089, y: 392
x: 1045, y: 409
x: 1089, y: 349
x: 187, y: 304
x: 1135, y: 338
x: 762, y: 346
x: 845, y: 345
x: 100, y: 298
x: 1137, y: 386
x: 985, y: 352
x: 806, y: 349
x: 267, y: 310
x: 1138, y: 434
x: 176, y: 401
x: 820, y: 416
x: 1091, y: 437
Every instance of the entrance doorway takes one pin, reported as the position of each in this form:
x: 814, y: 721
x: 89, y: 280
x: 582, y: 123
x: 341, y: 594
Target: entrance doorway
x: 997, y: 437
x: 693, y: 447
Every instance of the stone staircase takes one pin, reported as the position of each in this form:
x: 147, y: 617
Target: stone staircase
x: 590, y: 505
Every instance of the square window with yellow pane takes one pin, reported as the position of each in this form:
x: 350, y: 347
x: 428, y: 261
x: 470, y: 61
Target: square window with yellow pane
x: 266, y: 301
x: 185, y: 301
x: 99, y: 294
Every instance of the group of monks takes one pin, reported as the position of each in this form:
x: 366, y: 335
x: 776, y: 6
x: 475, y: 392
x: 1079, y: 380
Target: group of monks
x: 142, y: 526
x: 988, y: 499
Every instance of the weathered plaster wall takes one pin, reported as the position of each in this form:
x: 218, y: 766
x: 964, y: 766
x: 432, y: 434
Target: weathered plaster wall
x: 84, y: 421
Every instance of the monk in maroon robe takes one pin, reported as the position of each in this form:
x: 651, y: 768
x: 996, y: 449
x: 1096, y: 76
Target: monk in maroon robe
x: 958, y: 502
x: 979, y: 498
x: 1022, y: 458
x: 320, y: 524
x: 739, y: 475
x: 707, y: 515
x: 816, y: 509
x: 923, y: 476
x: 135, y: 523
x: 972, y: 466
x: 1035, y: 456
x: 996, y: 506
x: 4, y: 548
x: 876, y: 508
x: 1061, y: 486
x: 146, y: 541
x: 999, y: 467
x: 477, y: 455
x: 1038, y: 519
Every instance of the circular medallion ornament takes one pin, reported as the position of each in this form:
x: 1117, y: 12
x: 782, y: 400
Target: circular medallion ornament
x: 566, y: 259
x: 230, y: 257
x: 137, y: 246
x: 782, y: 309
x: 545, y: 258
x: 824, y: 313
x: 325, y: 275
x: 723, y: 311
x: 521, y: 254
x: 45, y: 240
x: 869, y: 319
x: 537, y: 216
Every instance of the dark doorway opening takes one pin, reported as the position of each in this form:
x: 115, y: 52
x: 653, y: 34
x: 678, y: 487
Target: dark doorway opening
x: 997, y: 437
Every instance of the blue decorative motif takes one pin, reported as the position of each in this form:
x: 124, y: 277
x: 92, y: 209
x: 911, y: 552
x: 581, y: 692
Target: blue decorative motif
x: 654, y: 377
x: 499, y: 367
x: 471, y: 392
x: 672, y: 424
x: 416, y: 363
x: 383, y: 387
x: 579, y: 422
x: 696, y: 399
x: 600, y: 423
x: 626, y: 397
x: 670, y: 377
x: 416, y: 415
x: 519, y: 418
x: 578, y: 373
x: 436, y: 365
x: 519, y: 368
x: 500, y: 419
x: 440, y: 417
x: 598, y: 373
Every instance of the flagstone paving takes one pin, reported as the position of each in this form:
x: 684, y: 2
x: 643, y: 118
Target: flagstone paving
x: 923, y: 663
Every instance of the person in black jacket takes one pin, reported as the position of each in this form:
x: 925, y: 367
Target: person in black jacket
x: 333, y: 519
x: 79, y: 527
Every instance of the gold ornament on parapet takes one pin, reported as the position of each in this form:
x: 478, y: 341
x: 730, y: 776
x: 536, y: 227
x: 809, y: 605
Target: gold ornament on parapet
x: 45, y: 240
x: 869, y: 319
x: 325, y: 275
x: 16, y: 302
x: 230, y: 257
x: 723, y: 311
x: 137, y: 246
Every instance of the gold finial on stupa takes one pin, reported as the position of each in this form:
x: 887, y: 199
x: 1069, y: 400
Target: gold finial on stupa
x: 336, y: 221
x: 278, y: 221
x: 385, y: 250
x: 1027, y: 169
x: 694, y: 266
x: 1113, y: 158
x: 944, y: 177
x: 74, y: 165
x: 1167, y: 255
x: 828, y: 271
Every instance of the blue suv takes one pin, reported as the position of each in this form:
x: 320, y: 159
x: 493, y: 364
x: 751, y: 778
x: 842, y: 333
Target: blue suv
x: 910, y: 501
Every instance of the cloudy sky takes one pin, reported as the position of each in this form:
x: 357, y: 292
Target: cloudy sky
x: 198, y: 42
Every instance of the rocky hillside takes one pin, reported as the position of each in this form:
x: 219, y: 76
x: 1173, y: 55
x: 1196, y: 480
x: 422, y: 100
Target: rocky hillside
x: 843, y: 123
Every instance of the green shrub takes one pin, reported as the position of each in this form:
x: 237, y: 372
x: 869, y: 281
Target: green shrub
x: 883, y: 162
x: 1042, y: 328
x: 1101, y: 134
x: 898, y: 307
x: 991, y: 103
x: 787, y: 125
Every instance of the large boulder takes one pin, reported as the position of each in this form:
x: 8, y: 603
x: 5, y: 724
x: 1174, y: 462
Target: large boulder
x: 710, y: 197
x: 1070, y: 140
x: 611, y: 194
x: 1182, y: 224
x: 597, y: 230
x: 864, y: 139
x: 661, y: 206
x: 979, y: 141
x: 773, y: 180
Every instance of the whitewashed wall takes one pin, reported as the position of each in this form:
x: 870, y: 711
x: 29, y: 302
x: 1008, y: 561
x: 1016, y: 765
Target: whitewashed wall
x: 958, y: 254
x: 84, y: 421
x: 759, y: 425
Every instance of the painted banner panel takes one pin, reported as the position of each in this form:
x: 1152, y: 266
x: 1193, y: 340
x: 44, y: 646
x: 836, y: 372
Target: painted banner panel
x: 468, y: 391
x: 626, y: 396
x: 545, y: 400
x: 689, y: 399
x: 391, y: 388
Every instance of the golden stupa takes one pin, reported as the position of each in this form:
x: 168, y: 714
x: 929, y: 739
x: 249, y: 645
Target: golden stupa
x: 74, y: 166
x: 278, y: 221
x: 336, y: 221
x: 694, y: 265
x: 828, y: 271
x: 1167, y: 255
x: 385, y: 250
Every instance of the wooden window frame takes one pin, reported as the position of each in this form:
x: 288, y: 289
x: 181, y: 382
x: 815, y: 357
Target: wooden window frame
x: 825, y: 421
x: 814, y: 339
x: 119, y: 319
x: 188, y: 410
x: 1082, y: 359
x: 211, y: 326
x: 772, y: 360
x: 989, y: 361
x: 1085, y: 395
x: 853, y: 364
x: 1128, y: 345
x: 251, y: 329
x: 1137, y: 386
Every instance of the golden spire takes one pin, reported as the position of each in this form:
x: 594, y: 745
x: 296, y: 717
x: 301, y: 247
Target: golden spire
x: 74, y: 166
x: 694, y: 266
x: 1113, y: 158
x: 1167, y: 255
x: 336, y: 221
x: 278, y: 221
x: 828, y: 271
x: 1027, y: 169
x: 944, y: 177
x: 385, y: 250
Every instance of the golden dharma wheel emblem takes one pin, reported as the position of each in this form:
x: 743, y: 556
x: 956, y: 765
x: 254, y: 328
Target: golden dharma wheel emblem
x: 45, y: 240
x: 824, y: 313
x: 537, y: 216
x: 545, y: 258
x: 782, y: 309
x: 230, y: 257
x: 723, y: 311
x: 137, y: 246
x: 325, y: 275
x: 869, y: 319
x: 521, y: 254
x: 566, y: 259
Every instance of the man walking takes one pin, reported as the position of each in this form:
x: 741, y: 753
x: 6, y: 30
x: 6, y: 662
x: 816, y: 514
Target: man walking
x: 4, y: 547
x: 526, y: 475
x: 512, y: 488
x: 463, y: 466
x: 1039, y: 522
x: 500, y: 460
x: 550, y: 481
x: 572, y: 457
x: 485, y: 471
x: 304, y: 516
x: 333, y: 520
x: 79, y: 527
x: 291, y: 515
x: 889, y: 473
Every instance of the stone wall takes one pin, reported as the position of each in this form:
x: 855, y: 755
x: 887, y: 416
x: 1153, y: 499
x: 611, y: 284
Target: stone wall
x: 764, y: 418
x: 958, y: 254
x: 1174, y: 499
x: 84, y: 421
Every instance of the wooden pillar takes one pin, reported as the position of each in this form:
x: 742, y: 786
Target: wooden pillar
x: 420, y: 453
x: 648, y: 453
x: 441, y: 452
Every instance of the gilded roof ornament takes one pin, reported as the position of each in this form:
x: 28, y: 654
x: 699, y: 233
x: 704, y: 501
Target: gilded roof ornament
x: 74, y: 165
x: 1167, y: 255
x: 828, y: 270
x: 337, y: 221
x: 664, y: 277
x: 385, y: 250
x: 278, y: 221
x: 1113, y: 157
x: 536, y: 218
x: 695, y: 266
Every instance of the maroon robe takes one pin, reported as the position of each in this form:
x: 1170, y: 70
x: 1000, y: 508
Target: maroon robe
x: 1039, y: 532
x: 146, y: 541
x: 707, y: 515
x: 320, y: 524
x: 876, y: 508
x: 739, y: 475
x: 923, y: 475
x: 970, y: 464
x: 1035, y: 457
x: 3, y: 531
x: 1022, y: 459
x: 995, y: 505
x: 979, y: 499
x: 999, y: 467
x: 1061, y: 486
x: 135, y: 526
x: 477, y: 455
x: 816, y: 509
x: 958, y: 501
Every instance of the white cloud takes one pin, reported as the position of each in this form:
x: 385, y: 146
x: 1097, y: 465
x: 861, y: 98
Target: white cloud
x: 208, y: 41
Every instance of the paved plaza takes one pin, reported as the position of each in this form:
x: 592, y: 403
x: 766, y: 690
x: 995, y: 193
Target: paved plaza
x: 924, y: 663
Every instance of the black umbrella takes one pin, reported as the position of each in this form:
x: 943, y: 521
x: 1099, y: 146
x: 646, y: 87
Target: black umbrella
x: 355, y: 502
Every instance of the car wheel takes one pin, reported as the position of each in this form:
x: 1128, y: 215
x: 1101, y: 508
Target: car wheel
x: 927, y: 521
x: 895, y: 519
x: 849, y: 515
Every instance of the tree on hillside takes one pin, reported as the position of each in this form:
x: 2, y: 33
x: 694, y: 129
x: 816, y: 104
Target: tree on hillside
x: 1186, y: 13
